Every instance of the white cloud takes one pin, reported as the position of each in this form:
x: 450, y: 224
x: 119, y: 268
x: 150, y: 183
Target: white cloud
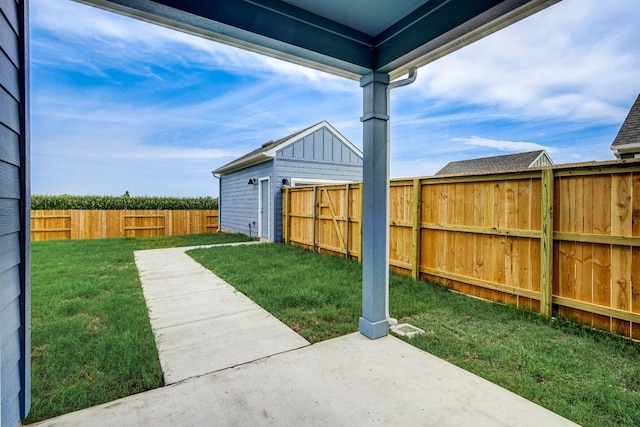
x: 504, y: 145
x: 573, y: 60
x: 128, y: 42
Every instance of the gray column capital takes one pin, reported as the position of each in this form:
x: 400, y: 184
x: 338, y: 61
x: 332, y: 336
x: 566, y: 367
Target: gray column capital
x: 375, y: 100
x: 374, y: 77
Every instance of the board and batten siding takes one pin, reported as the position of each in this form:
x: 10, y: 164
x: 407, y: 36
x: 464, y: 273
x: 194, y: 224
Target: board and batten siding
x: 14, y: 211
x: 322, y: 146
x: 239, y: 200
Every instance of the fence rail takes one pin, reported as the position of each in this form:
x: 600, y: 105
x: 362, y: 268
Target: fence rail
x: 561, y: 240
x: 98, y: 224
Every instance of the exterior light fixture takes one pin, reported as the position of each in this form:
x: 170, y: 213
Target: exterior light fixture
x: 252, y: 181
x: 285, y: 181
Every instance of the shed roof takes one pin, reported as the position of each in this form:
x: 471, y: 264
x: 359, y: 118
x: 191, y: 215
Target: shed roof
x: 628, y: 137
x: 267, y: 151
x: 494, y: 163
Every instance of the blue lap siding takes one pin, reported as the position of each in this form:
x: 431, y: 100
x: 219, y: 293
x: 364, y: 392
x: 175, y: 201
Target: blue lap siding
x: 239, y: 200
x: 14, y: 211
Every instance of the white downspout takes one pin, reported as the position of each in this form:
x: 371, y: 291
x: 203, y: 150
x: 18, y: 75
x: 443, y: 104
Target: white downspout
x: 219, y: 178
x: 413, y: 73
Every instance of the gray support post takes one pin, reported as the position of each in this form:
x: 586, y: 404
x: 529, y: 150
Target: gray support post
x: 375, y: 198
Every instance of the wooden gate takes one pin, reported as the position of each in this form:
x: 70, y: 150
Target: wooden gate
x: 324, y: 218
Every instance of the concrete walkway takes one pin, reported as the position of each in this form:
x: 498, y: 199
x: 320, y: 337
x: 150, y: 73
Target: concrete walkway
x: 202, y: 324
x: 230, y: 363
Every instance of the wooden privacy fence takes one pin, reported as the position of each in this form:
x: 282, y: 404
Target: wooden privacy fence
x: 98, y: 224
x: 563, y: 240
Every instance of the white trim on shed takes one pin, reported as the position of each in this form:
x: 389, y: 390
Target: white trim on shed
x: 261, y: 208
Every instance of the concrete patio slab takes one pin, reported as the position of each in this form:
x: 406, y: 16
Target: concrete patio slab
x: 349, y: 380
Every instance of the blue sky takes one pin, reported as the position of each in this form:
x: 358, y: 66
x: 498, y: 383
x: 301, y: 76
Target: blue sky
x: 121, y: 105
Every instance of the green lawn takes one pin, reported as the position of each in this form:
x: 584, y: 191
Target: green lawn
x: 91, y: 338
x: 586, y: 376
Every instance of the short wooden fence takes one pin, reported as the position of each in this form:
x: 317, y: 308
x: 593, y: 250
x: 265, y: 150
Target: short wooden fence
x: 98, y: 224
x: 560, y: 240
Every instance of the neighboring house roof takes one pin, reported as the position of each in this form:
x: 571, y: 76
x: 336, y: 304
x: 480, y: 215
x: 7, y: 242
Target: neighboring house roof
x: 268, y: 150
x: 497, y: 163
x: 628, y: 139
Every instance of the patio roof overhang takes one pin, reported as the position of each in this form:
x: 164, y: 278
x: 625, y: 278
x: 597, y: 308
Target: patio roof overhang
x: 374, y: 41
x: 347, y: 38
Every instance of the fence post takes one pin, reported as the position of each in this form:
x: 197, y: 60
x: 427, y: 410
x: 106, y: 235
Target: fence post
x: 285, y: 209
x: 315, y: 215
x: 416, y: 244
x: 546, y: 244
x: 346, y: 221
x: 360, y: 220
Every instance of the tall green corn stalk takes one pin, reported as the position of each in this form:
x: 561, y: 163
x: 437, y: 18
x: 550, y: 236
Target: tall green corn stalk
x: 65, y: 201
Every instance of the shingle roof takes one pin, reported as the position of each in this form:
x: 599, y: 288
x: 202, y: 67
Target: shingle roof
x: 258, y: 155
x: 489, y: 164
x: 629, y: 132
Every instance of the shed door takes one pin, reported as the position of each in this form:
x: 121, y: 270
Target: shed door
x: 263, y: 208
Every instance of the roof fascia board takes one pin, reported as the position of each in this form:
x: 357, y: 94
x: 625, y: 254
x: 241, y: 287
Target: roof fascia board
x: 255, y: 161
x: 283, y: 31
x: 625, y: 148
x: 428, y: 22
x: 397, y: 59
x: 275, y: 29
x: 272, y: 152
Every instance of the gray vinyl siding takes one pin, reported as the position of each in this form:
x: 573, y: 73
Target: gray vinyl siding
x: 14, y: 227
x: 291, y: 168
x: 239, y: 200
x: 322, y: 145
